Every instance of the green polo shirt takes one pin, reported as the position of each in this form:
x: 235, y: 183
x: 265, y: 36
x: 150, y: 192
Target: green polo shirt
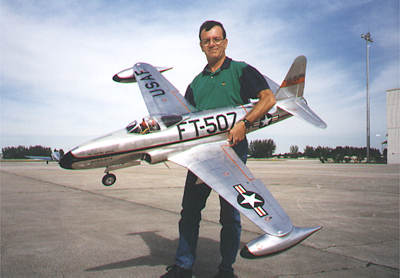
x: 234, y: 83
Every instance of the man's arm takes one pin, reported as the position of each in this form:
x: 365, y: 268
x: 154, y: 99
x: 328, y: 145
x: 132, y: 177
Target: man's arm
x: 265, y: 103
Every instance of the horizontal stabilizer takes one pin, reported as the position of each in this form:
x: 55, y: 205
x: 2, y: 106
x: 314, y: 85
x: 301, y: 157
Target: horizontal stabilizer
x: 297, y: 106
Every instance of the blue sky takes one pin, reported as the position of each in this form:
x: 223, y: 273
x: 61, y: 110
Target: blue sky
x: 58, y: 57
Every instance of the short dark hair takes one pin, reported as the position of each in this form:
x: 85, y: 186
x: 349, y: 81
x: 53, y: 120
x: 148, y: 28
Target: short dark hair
x: 207, y: 25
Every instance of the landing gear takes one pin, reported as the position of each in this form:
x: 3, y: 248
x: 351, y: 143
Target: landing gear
x: 109, y: 179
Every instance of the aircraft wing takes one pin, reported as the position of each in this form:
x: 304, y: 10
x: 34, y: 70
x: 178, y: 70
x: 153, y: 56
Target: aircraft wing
x: 219, y: 167
x: 160, y: 96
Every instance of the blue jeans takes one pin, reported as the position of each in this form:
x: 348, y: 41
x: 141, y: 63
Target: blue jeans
x: 194, y: 200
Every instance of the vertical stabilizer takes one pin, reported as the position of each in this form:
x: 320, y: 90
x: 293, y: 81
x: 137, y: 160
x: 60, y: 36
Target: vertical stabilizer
x: 293, y: 84
x: 290, y: 94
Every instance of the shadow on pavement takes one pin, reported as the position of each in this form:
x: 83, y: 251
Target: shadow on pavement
x: 162, y: 252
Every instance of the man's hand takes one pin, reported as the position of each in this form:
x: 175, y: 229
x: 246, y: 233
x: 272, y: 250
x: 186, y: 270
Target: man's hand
x: 237, y: 133
x: 266, y: 101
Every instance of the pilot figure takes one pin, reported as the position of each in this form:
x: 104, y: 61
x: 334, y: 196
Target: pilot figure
x: 144, y: 127
x: 147, y: 125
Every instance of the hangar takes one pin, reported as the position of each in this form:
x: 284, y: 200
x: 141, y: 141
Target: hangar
x: 393, y: 125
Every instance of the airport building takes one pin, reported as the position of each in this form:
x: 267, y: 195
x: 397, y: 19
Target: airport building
x: 393, y: 126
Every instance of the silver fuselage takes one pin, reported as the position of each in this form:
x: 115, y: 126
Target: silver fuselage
x: 121, y: 147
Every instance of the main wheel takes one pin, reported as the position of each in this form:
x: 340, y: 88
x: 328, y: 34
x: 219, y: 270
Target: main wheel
x: 109, y: 179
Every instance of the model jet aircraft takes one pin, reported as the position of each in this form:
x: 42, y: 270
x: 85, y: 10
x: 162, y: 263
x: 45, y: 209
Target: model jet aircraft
x: 196, y: 140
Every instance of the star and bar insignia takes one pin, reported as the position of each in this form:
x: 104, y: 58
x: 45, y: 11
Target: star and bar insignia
x: 250, y: 200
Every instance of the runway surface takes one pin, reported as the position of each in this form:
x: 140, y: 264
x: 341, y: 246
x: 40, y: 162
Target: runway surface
x: 60, y: 223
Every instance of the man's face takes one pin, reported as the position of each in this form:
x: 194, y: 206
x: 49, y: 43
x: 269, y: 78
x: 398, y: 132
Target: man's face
x: 213, y: 43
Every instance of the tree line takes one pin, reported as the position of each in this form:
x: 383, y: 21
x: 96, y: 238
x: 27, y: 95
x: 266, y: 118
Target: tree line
x: 266, y: 149
x: 262, y: 148
x: 257, y: 149
x: 22, y: 151
x: 345, y: 154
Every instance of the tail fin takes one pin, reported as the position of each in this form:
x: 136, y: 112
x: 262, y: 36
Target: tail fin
x: 290, y: 94
x: 293, y: 84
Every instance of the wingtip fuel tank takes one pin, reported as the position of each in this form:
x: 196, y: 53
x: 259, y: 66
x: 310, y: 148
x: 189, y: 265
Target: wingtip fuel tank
x: 128, y: 76
x: 268, y: 245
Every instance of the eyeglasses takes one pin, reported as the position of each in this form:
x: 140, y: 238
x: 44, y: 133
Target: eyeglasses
x: 207, y: 42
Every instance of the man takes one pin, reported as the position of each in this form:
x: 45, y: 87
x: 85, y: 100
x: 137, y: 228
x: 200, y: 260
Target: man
x: 223, y: 82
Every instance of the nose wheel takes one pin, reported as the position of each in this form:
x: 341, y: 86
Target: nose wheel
x: 109, y: 179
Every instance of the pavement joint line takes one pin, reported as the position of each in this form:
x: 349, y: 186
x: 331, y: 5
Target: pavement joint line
x: 362, y: 266
x: 320, y: 272
x: 357, y: 245
x: 316, y: 272
x: 382, y: 265
x: 366, y: 262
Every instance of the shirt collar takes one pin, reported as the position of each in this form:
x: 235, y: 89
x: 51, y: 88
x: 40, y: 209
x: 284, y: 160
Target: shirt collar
x: 225, y: 65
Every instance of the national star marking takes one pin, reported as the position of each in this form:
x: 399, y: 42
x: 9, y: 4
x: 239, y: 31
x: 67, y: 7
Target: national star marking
x: 250, y: 199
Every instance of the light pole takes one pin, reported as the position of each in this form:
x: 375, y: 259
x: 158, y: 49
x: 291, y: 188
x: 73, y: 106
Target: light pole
x: 367, y: 38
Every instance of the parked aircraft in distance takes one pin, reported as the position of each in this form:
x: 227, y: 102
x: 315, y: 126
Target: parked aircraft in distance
x: 178, y: 132
x: 55, y: 156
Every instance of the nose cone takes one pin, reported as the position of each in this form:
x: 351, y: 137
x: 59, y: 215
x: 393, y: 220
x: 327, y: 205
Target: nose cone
x: 66, y: 161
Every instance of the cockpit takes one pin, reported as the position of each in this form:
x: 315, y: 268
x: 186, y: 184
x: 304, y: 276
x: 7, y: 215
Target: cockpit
x: 147, y: 125
x: 151, y: 124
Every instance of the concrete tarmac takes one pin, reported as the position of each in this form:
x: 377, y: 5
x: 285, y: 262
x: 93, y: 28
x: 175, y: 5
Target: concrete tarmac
x: 62, y: 223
